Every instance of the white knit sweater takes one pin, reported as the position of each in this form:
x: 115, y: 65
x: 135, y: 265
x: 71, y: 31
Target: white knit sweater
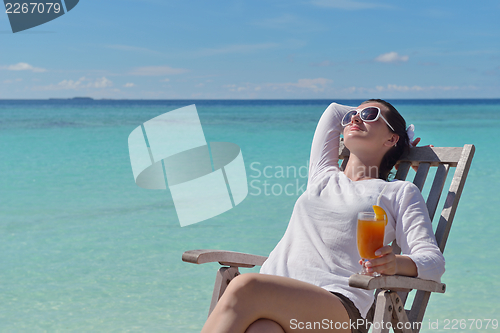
x: 319, y: 245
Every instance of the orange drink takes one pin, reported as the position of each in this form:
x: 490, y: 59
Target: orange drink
x: 370, y: 235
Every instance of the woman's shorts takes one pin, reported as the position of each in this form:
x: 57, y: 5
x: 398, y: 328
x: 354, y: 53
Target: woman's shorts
x: 354, y: 314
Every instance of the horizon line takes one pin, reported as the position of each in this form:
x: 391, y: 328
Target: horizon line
x: 234, y: 99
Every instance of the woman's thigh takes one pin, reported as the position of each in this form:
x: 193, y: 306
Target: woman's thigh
x: 293, y: 304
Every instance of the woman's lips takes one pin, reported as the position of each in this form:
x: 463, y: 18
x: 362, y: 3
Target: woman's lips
x: 355, y: 128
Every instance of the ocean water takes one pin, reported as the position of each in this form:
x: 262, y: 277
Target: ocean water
x: 83, y: 248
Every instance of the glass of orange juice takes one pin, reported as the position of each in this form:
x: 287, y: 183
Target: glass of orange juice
x: 370, y: 236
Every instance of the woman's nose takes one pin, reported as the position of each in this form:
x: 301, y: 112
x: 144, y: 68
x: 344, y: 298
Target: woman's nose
x: 356, y: 119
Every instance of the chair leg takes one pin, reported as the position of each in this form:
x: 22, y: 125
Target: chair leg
x: 390, y: 313
x: 400, y: 321
x: 222, y: 279
x: 383, y: 313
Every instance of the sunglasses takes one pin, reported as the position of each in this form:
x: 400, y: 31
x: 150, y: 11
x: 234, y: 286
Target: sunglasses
x: 368, y: 115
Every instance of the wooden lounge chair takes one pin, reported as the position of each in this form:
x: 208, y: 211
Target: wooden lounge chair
x: 392, y: 291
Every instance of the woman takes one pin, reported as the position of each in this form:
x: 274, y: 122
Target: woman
x: 304, y: 282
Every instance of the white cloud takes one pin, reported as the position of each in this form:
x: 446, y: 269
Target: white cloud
x: 81, y: 83
x: 22, y: 66
x: 391, y: 57
x: 12, y: 81
x: 157, y: 71
x: 402, y: 88
x: 396, y: 90
x: 395, y: 87
x: 67, y: 84
x: 314, y: 85
x: 101, y: 83
x: 129, y: 85
x: 347, y: 4
x: 165, y: 80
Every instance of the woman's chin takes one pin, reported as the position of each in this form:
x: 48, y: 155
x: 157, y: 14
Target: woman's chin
x: 354, y: 138
x: 358, y: 144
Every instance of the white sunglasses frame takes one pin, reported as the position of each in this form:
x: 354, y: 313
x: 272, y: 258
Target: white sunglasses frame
x: 379, y: 115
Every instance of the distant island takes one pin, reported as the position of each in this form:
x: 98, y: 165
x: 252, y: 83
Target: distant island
x: 83, y: 98
x: 74, y: 98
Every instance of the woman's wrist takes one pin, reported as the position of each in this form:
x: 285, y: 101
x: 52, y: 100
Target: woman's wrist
x: 405, y: 266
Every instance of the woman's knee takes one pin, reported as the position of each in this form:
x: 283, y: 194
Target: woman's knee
x: 264, y: 326
x: 244, y: 284
x: 242, y: 290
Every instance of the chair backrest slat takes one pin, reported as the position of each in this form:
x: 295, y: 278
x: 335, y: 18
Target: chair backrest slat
x: 437, y: 188
x: 344, y: 163
x: 451, y: 202
x: 403, y: 169
x: 421, y: 176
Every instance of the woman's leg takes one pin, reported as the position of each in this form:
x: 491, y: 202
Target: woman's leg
x: 264, y: 326
x: 292, y: 304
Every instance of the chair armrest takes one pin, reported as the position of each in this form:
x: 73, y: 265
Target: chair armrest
x: 229, y: 258
x: 395, y: 282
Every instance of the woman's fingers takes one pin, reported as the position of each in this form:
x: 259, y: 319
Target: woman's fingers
x: 415, y: 142
x: 384, y: 250
x: 384, y: 264
x: 386, y: 267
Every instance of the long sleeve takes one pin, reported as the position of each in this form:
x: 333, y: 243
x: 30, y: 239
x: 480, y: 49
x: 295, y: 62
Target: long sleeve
x: 415, y: 236
x: 325, y: 146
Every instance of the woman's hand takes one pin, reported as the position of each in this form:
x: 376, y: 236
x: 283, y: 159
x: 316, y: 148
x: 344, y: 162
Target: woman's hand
x: 413, y: 144
x: 385, y: 263
x: 389, y: 263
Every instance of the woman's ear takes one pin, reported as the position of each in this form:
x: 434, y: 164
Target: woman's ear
x: 392, y: 140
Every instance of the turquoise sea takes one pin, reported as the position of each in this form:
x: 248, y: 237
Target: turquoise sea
x: 83, y: 248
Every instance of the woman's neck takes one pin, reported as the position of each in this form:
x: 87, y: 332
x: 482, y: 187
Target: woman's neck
x: 362, y: 168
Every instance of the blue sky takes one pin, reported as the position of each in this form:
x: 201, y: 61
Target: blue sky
x: 333, y: 49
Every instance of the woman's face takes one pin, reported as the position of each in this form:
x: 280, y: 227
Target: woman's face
x: 370, y: 136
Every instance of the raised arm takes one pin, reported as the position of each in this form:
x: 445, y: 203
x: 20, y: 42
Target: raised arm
x: 325, y: 146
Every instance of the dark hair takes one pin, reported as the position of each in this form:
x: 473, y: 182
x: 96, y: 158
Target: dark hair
x: 402, y: 146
